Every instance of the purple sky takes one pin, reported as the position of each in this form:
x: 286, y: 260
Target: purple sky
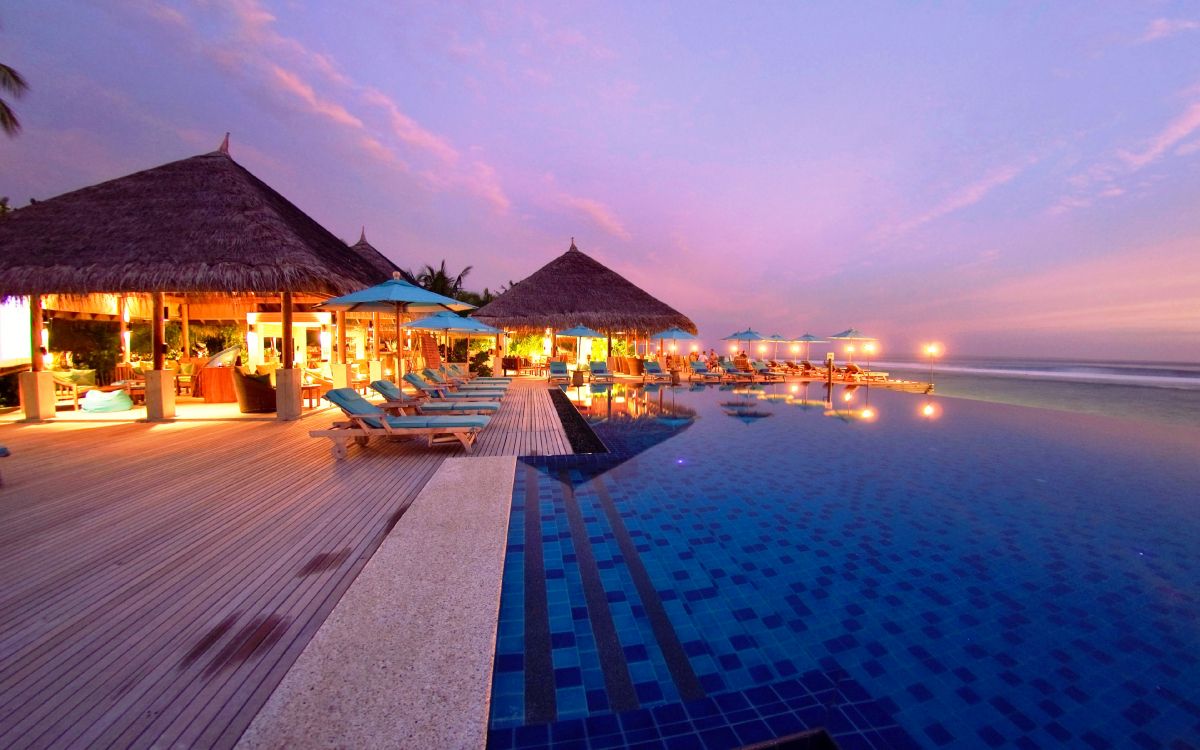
x: 1020, y: 180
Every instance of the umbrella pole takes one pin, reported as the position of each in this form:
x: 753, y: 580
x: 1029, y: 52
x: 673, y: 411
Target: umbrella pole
x: 399, y: 371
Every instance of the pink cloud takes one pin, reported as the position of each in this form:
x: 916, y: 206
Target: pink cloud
x: 966, y: 196
x: 409, y: 131
x: 292, y: 84
x: 1160, y: 28
x: 601, y: 215
x: 1175, y: 131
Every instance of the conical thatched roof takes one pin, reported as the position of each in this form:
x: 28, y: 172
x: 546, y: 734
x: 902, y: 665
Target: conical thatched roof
x: 199, y: 225
x: 376, y: 259
x: 575, y: 289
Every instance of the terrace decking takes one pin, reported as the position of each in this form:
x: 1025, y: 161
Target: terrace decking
x: 157, y: 581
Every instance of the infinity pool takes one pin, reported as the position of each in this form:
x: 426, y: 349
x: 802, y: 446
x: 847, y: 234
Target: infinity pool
x: 904, y: 572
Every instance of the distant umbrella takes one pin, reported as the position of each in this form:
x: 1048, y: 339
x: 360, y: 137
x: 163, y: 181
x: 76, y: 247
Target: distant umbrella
x: 673, y: 335
x: 777, y: 339
x: 747, y: 335
x: 851, y: 335
x: 808, y: 339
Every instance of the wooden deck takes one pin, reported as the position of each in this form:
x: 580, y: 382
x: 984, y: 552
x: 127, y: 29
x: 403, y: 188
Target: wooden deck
x: 157, y: 581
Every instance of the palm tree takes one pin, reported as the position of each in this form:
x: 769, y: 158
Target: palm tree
x: 439, y: 279
x: 11, y: 82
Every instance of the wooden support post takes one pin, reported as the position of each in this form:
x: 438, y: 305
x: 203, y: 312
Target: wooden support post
x: 185, y: 340
x: 123, y: 314
x: 35, y: 332
x: 375, y: 335
x: 288, y: 345
x: 287, y: 378
x: 160, y: 384
x: 156, y: 330
x: 341, y: 337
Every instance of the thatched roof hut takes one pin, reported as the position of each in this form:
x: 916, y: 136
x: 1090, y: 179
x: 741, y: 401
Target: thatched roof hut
x: 202, y: 225
x: 575, y: 289
x: 377, y: 260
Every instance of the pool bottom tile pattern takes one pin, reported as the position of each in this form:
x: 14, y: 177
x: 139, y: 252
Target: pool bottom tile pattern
x: 615, y: 673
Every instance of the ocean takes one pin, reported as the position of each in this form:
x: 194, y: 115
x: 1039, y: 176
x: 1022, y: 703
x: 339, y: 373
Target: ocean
x: 1160, y: 392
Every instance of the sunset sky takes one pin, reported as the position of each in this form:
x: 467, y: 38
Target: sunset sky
x: 1010, y: 179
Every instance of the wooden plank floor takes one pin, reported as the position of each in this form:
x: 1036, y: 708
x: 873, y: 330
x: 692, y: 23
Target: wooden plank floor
x: 157, y: 581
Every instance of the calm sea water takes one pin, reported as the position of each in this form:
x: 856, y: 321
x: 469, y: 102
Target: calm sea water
x: 1166, y: 393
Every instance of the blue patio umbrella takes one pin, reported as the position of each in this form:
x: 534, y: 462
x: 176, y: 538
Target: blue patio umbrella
x: 449, y: 322
x: 851, y: 335
x: 579, y: 332
x: 746, y: 335
x: 777, y: 339
x: 808, y: 339
x: 673, y: 335
x: 398, y: 296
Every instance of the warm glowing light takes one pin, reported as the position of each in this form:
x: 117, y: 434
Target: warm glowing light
x: 47, y: 361
x: 849, y: 348
x: 933, y: 350
x: 795, y: 388
x: 929, y: 410
x: 869, y: 348
x: 795, y: 348
x: 733, y: 347
x: 45, y: 338
x: 847, y: 396
x: 762, y: 349
x: 868, y: 413
x: 326, y: 340
x: 695, y: 348
x: 671, y: 347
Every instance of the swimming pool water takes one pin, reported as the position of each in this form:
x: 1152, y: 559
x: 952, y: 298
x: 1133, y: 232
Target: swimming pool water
x: 748, y: 564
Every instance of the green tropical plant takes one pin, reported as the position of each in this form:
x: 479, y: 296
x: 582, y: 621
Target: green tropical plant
x: 10, y: 82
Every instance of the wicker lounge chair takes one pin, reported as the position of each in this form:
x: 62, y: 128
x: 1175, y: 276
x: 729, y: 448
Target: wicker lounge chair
x: 367, y: 421
x: 854, y: 372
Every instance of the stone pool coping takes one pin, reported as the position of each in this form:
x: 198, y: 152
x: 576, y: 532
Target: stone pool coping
x: 405, y: 659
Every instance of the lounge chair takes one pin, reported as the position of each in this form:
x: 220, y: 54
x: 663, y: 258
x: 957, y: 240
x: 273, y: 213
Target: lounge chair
x: 438, y: 378
x: 558, y: 371
x: 443, y: 391
x: 397, y: 403
x: 854, y: 372
x: 368, y: 421
x: 456, y: 375
x: 654, y: 372
x: 700, y: 370
x: 763, y: 371
x: 599, y: 373
x: 458, y: 371
x: 809, y: 370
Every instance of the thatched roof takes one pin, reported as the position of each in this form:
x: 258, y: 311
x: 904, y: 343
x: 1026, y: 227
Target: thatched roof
x: 575, y: 289
x: 201, y: 225
x: 376, y: 259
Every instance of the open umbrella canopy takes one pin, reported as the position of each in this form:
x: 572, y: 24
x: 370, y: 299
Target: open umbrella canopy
x: 672, y: 334
x: 451, y: 323
x: 808, y: 339
x: 580, y: 332
x: 746, y: 335
x: 852, y: 334
x: 394, y: 295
